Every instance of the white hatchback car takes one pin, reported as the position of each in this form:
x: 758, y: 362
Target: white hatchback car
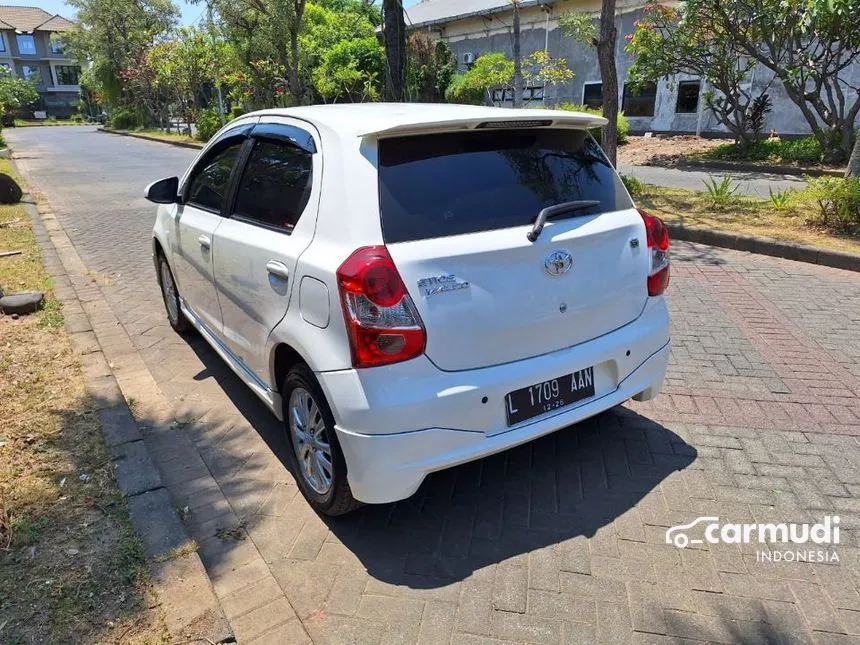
x: 411, y: 287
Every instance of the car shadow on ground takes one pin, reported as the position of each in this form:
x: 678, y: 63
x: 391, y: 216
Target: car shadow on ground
x: 542, y: 494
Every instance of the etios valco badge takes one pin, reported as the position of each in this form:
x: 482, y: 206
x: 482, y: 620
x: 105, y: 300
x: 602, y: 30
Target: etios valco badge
x: 557, y: 262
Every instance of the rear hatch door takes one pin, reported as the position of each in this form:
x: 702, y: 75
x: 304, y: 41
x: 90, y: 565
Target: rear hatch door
x: 456, y: 212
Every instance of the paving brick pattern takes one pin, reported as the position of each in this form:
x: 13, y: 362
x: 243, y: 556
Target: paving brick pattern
x: 558, y: 541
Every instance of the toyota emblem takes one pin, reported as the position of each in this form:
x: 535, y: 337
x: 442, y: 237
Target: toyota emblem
x: 558, y: 262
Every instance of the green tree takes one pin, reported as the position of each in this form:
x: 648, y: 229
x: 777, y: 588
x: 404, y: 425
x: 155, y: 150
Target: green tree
x: 15, y: 93
x: 474, y: 86
x: 670, y: 40
x: 351, y: 71
x: 114, y: 35
x: 325, y: 27
x: 366, y: 8
x: 808, y: 45
x: 429, y: 69
x: 265, y: 37
x: 542, y: 69
x: 189, y: 67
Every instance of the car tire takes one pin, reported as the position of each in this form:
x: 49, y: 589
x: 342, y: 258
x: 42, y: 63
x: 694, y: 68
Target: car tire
x: 315, y: 456
x: 170, y: 295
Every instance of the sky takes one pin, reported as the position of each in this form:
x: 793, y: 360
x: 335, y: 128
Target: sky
x: 191, y: 13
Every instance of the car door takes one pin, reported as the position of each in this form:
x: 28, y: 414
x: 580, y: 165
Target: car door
x: 196, y: 219
x: 272, y: 221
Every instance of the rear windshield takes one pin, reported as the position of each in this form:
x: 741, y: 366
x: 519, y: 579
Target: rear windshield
x: 466, y: 182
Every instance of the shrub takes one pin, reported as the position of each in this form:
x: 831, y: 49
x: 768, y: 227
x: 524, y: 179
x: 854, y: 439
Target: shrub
x: 838, y: 202
x: 77, y: 118
x: 781, y: 200
x: 208, y: 123
x: 236, y: 111
x: 721, y: 193
x: 622, y: 123
x: 123, y: 118
x: 634, y: 186
x: 806, y: 150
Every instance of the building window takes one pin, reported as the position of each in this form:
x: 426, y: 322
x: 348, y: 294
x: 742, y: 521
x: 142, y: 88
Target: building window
x: 32, y: 74
x: 688, y: 97
x: 3, y: 49
x: 501, y: 95
x: 67, y: 74
x: 533, y: 94
x: 57, y: 46
x: 639, y: 103
x: 592, y: 95
x: 26, y: 44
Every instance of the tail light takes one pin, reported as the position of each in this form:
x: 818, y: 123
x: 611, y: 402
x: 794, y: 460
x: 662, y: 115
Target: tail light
x: 657, y: 236
x: 381, y: 320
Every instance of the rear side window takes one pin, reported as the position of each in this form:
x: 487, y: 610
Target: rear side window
x: 276, y: 185
x: 457, y: 183
x: 208, y: 187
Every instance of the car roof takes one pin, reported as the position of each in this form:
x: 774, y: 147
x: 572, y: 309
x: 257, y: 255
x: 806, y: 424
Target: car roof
x: 363, y: 119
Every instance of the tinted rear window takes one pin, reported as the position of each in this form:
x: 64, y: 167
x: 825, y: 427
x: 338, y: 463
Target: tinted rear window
x: 451, y: 184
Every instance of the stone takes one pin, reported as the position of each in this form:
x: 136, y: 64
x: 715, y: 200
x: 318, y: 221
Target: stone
x: 10, y: 191
x: 22, y: 303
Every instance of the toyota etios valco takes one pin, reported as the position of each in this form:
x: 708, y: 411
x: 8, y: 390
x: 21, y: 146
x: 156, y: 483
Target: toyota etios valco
x: 410, y: 287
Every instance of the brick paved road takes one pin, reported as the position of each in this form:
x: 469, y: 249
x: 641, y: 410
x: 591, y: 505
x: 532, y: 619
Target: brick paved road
x: 558, y: 541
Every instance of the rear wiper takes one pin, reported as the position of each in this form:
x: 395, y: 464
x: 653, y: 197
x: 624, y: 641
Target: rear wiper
x: 555, y: 211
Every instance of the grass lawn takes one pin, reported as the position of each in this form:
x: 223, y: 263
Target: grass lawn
x: 31, y: 123
x: 155, y: 133
x: 744, y: 215
x: 71, y: 568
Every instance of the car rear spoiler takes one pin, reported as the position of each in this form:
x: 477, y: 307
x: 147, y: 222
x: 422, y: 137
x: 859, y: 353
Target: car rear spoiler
x: 534, y: 119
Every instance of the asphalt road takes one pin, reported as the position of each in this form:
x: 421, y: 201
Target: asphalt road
x: 754, y: 184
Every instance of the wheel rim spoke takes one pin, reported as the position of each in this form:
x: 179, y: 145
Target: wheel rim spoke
x: 310, y: 441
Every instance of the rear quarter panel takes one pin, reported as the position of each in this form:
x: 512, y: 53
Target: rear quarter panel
x: 348, y: 219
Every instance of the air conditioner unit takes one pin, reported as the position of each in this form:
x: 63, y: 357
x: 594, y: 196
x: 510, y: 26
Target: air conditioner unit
x: 468, y: 58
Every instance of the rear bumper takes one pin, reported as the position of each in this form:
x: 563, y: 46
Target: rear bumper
x: 400, y: 423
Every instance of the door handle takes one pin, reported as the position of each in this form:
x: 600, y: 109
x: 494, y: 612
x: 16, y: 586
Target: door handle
x: 205, y: 241
x: 278, y: 269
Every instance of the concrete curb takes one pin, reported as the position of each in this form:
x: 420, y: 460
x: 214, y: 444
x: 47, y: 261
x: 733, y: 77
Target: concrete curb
x: 145, y: 137
x: 175, y: 566
x: 736, y: 166
x: 766, y: 246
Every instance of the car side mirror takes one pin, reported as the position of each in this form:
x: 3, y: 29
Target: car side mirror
x: 163, y: 191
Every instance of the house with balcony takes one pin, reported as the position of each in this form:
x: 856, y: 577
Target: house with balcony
x: 31, y: 47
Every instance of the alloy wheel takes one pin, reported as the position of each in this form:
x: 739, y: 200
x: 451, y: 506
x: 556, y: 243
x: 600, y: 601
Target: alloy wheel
x: 310, y: 441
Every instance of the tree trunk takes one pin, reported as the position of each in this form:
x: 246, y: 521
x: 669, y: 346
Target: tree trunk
x: 853, y: 169
x: 518, y: 58
x: 609, y: 77
x: 394, y: 35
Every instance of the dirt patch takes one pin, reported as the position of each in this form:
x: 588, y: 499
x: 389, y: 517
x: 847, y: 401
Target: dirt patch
x: 662, y: 151
x: 71, y: 568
